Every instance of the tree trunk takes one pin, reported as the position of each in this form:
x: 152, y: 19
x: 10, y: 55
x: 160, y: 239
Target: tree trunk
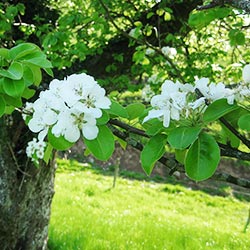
x: 25, y: 193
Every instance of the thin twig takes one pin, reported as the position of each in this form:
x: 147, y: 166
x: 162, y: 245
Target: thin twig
x: 128, y: 128
x: 142, y: 42
x: 173, y: 165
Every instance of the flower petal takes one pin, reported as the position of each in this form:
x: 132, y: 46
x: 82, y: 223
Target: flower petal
x: 90, y: 132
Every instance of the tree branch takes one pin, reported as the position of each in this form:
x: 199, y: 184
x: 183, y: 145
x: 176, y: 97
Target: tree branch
x: 142, y: 42
x: 227, y: 150
x: 128, y: 128
x: 235, y: 132
x: 173, y: 165
x: 226, y: 123
x: 238, y: 4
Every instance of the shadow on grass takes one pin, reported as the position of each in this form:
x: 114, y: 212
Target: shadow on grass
x: 211, y: 187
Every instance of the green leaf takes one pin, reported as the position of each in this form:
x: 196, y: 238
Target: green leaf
x: 13, y: 88
x: 182, y: 137
x: 28, y: 93
x: 40, y: 61
x: 37, y: 74
x: 9, y: 110
x: 28, y: 76
x: 180, y: 155
x: 2, y: 106
x: 152, y: 152
x: 218, y: 109
x: 201, y: 19
x: 22, y: 50
x: 103, y: 146
x: 228, y: 137
x: 49, y: 71
x: 4, y: 53
x: 59, y: 143
x: 15, y: 71
x: 150, y: 14
x: 135, y: 110
x: 121, y: 142
x: 48, y: 153
x: 103, y: 119
x: 235, y: 115
x: 117, y: 110
x: 155, y: 127
x: 160, y: 12
x: 244, y: 122
x: 167, y: 16
x: 202, y: 158
x: 236, y: 37
x: 13, y: 101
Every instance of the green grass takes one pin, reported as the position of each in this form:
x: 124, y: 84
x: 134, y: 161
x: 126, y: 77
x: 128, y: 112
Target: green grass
x: 88, y: 214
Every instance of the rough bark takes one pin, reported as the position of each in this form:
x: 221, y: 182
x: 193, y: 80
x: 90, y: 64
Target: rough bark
x: 240, y: 4
x: 25, y: 195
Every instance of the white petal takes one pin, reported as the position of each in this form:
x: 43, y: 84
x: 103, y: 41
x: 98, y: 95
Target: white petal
x: 153, y: 114
x: 90, y: 132
x: 43, y: 134
x: 166, y: 119
x: 56, y: 130
x: 89, y: 119
x: 50, y: 117
x: 202, y: 85
x: 175, y: 115
x: 72, y: 134
x: 35, y: 125
x: 230, y: 99
x: 103, y: 103
x: 196, y: 104
x: 246, y: 73
x: 95, y: 112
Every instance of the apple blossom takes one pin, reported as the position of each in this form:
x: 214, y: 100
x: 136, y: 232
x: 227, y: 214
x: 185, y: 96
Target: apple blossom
x: 69, y: 108
x: 246, y: 73
x: 35, y: 150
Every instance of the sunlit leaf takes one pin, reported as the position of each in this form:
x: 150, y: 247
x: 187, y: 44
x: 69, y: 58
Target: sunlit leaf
x: 152, y: 152
x: 182, y: 137
x: 13, y: 88
x: 218, y: 109
x: 135, y: 110
x: 2, y: 106
x: 59, y: 143
x: 103, y: 146
x: 244, y: 122
x: 202, y: 158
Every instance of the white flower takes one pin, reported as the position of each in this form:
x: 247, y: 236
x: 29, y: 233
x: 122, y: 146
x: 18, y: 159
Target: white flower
x: 147, y: 93
x: 83, y: 93
x: 149, y: 52
x: 168, y: 51
x: 70, y: 124
x: 169, y: 104
x: 35, y: 149
x: 246, y: 73
x: 135, y: 32
x: 70, y: 107
x: 28, y: 110
x: 154, y: 79
x: 214, y: 91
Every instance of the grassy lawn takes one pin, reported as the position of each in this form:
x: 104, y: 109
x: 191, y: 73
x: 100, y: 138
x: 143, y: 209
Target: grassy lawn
x: 88, y: 214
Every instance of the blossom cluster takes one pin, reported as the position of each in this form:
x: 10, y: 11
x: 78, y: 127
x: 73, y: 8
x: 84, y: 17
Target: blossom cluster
x: 168, y: 51
x: 147, y: 93
x: 35, y: 150
x: 69, y: 108
x: 178, y: 100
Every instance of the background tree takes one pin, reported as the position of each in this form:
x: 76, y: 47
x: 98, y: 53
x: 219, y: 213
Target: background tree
x: 123, y: 44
